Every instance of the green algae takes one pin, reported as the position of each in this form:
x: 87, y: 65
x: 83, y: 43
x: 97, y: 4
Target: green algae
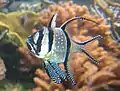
x: 19, y: 26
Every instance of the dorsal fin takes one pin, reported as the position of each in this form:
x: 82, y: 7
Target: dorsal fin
x: 52, y: 23
x: 75, y: 18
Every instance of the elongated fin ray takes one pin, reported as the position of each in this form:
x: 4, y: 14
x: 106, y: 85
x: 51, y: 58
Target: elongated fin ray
x: 69, y: 74
x: 90, y: 57
x: 66, y: 64
x: 52, y: 73
x: 58, y: 70
x: 88, y: 41
x: 75, y: 18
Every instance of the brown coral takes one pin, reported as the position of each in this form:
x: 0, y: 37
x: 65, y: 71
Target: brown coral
x: 27, y: 60
x: 2, y: 69
x: 88, y: 75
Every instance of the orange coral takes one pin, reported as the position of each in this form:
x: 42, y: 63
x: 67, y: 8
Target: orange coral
x: 2, y: 69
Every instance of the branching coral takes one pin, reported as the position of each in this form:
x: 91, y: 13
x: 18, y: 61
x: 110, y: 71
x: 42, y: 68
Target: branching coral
x: 27, y: 60
x: 110, y: 11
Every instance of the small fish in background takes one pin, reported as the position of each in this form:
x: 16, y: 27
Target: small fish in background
x: 54, y: 46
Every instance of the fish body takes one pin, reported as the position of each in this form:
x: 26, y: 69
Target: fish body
x: 54, y: 46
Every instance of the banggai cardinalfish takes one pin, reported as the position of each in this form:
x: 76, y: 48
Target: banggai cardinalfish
x: 54, y: 46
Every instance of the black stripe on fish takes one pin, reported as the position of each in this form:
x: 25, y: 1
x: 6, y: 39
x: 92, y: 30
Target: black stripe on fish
x: 69, y: 75
x: 40, y: 35
x: 31, y: 40
x: 51, y: 34
x: 29, y: 43
x: 39, y: 41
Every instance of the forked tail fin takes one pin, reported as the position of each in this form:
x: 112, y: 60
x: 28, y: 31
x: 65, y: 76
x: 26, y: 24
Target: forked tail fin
x: 84, y: 51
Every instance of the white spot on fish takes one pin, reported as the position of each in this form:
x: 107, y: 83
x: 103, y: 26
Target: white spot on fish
x: 61, y: 43
x: 58, y: 46
x: 58, y: 42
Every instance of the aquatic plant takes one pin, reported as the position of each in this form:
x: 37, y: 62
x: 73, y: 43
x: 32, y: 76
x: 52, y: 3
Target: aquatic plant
x: 16, y: 26
x: 14, y: 29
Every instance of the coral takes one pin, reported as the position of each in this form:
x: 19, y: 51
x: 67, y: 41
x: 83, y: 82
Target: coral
x: 68, y: 10
x: 27, y: 60
x: 13, y: 87
x: 15, y: 27
x: 2, y: 69
x: 88, y: 76
x: 110, y: 12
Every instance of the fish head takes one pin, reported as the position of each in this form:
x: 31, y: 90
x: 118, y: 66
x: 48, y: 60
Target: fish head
x: 38, y: 43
